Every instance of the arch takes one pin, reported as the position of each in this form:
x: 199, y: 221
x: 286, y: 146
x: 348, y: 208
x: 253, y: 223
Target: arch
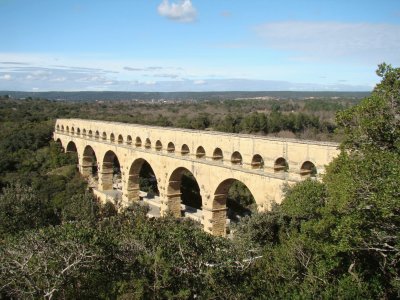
x: 58, y: 127
x: 141, y: 178
x: 171, y: 147
x: 67, y: 129
x: 200, y: 152
x: 221, y: 202
x: 59, y: 145
x: 71, y: 147
x: 72, y: 153
x: 308, y: 169
x: 183, y: 189
x: 120, y: 139
x: 112, y: 137
x: 138, y: 142
x: 147, y: 144
x: 129, y: 140
x: 104, y: 136
x: 158, y: 145
x: 257, y: 162
x: 281, y: 165
x: 72, y: 130
x: 62, y: 128
x: 185, y: 149
x: 217, y: 155
x: 89, y: 163
x: 84, y: 132
x: 78, y: 131
x: 90, y: 133
x: 110, y: 172
x: 236, y: 158
x: 97, y: 135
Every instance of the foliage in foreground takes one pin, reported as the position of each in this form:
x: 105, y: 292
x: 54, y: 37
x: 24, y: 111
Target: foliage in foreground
x: 338, y: 238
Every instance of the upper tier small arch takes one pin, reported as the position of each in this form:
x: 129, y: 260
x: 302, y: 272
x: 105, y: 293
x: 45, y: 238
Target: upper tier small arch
x: 200, y: 152
x: 236, y: 158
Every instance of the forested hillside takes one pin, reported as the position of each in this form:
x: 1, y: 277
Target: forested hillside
x: 338, y: 238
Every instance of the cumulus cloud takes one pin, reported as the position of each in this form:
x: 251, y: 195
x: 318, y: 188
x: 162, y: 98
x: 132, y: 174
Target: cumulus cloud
x: 182, y: 11
x: 333, y: 39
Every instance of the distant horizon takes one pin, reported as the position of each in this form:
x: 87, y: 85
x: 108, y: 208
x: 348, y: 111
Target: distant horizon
x: 196, y: 45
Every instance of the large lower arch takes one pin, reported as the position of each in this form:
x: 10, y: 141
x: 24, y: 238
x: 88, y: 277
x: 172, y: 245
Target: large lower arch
x: 183, y: 189
x: 71, y: 147
x: 72, y: 153
x: 220, y: 205
x: 89, y: 162
x: 141, y: 177
x: 111, y: 168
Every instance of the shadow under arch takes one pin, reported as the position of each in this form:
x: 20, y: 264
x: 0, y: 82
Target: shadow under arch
x: 59, y: 145
x: 141, y: 178
x: 232, y: 199
x: 308, y: 169
x: 72, y: 154
x: 89, y: 163
x: 110, y: 172
x: 71, y: 147
x: 183, y: 189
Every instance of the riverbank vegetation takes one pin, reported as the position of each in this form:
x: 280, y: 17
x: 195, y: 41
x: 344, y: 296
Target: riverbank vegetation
x: 338, y: 238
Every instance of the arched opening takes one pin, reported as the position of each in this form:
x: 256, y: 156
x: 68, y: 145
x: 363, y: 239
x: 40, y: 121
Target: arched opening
x: 72, y: 130
x: 185, y: 150
x: 71, y: 147
x: 120, y: 139
x: 217, y: 155
x: 78, y: 131
x: 184, y: 198
x: 200, y: 152
x: 158, y: 145
x: 72, y: 154
x: 147, y: 144
x: 129, y: 140
x: 138, y: 142
x: 97, y: 135
x: 281, y: 165
x: 67, y: 129
x: 171, y: 147
x: 112, y: 137
x: 236, y: 158
x: 84, y: 132
x: 104, y: 136
x: 59, y: 146
x: 58, y: 128
x: 62, y: 128
x: 89, y: 166
x: 111, y: 172
x: 308, y: 169
x: 90, y: 133
x: 232, y: 200
x: 142, y: 184
x: 257, y: 162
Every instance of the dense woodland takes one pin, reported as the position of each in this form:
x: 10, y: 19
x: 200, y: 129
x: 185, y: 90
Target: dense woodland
x: 338, y: 238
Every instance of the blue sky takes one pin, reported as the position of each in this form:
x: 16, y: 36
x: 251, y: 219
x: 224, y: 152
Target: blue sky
x: 197, y: 45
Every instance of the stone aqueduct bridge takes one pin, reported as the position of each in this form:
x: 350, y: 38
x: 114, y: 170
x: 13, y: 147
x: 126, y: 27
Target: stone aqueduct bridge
x: 215, y: 159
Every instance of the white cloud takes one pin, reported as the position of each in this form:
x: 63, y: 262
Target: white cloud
x: 327, y: 40
x: 199, y: 82
x: 6, y: 77
x: 183, y: 11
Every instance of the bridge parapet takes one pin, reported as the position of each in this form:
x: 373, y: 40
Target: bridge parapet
x: 258, y: 153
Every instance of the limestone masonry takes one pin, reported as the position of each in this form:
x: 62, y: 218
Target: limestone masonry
x: 215, y: 159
